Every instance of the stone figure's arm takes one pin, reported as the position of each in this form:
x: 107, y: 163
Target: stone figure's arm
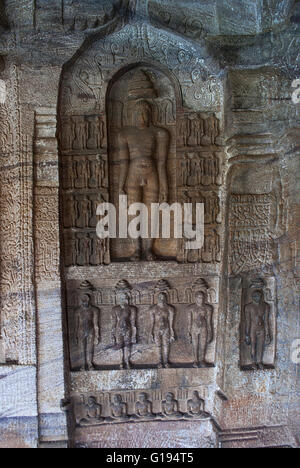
x: 163, y: 143
x: 268, y: 325
x: 77, y: 327
x: 121, y: 158
x: 210, y: 325
x: 97, y: 325
x: 171, y: 323
x: 153, y: 323
x: 190, y: 321
x: 115, y: 324
x: 133, y: 325
x: 248, y: 324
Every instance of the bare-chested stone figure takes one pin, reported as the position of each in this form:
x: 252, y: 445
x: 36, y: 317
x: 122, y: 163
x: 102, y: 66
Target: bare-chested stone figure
x: 142, y: 155
x: 125, y: 332
x: 258, y: 332
x: 144, y: 407
x: 201, y: 330
x: 87, y: 330
x: 163, y: 328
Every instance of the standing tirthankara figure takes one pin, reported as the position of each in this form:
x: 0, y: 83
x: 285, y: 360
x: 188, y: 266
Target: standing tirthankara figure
x: 201, y: 330
x: 125, y: 332
x: 87, y: 330
x: 163, y: 328
x: 142, y: 157
x: 258, y: 330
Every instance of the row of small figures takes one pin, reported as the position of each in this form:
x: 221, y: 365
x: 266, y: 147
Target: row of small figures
x: 143, y: 410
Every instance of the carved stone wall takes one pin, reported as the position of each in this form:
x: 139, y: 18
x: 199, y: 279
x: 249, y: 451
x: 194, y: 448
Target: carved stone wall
x: 168, y: 101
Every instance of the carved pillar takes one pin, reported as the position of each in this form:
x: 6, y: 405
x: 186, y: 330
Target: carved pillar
x: 52, y: 421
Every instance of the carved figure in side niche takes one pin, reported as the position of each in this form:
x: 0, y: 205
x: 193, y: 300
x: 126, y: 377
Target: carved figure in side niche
x: 163, y: 328
x: 195, y: 405
x: 82, y: 176
x: 95, y: 132
x: 68, y: 175
x: 95, y: 170
x: 84, y: 249
x: 142, y: 153
x: 67, y: 134
x: 144, y: 407
x: 87, y: 330
x: 212, y: 130
x: 170, y: 407
x: 125, y: 332
x: 70, y: 212
x: 81, y: 132
x: 71, y: 249
x: 196, y: 131
x: 183, y: 131
x: 201, y: 330
x: 84, y: 213
x: 185, y: 169
x: 118, y: 408
x: 93, y: 413
x: 258, y: 330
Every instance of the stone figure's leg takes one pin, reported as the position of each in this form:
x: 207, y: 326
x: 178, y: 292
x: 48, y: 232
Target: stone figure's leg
x: 203, y: 346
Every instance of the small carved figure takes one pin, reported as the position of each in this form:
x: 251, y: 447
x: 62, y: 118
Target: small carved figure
x: 95, y: 132
x: 258, y: 331
x: 87, y: 330
x: 118, y: 408
x: 67, y: 134
x: 170, y: 407
x: 81, y: 131
x: 84, y: 249
x: 71, y: 249
x: 93, y: 413
x: 183, y: 131
x: 82, y: 176
x: 195, y: 405
x: 95, y: 170
x: 201, y: 330
x: 185, y: 169
x: 125, y: 332
x: 163, y: 328
x: 84, y: 212
x: 144, y: 406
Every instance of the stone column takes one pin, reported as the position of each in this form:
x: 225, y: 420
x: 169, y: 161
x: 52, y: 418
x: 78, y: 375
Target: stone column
x: 52, y: 420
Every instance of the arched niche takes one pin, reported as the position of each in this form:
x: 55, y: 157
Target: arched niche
x: 142, y: 106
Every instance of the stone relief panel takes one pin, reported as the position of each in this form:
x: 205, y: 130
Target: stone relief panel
x: 256, y: 217
x: 258, y: 323
x: 171, y: 404
x: 89, y: 16
x: 142, y: 154
x: 143, y: 325
x: 84, y: 179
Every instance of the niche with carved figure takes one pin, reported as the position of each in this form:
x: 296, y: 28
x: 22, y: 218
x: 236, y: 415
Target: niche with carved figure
x: 142, y: 153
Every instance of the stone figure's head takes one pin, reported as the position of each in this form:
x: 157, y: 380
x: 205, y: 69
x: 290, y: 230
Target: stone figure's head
x: 143, y: 397
x: 117, y: 399
x: 200, y: 298
x: 257, y: 296
x: 196, y: 396
x: 92, y: 401
x: 162, y: 298
x: 85, y: 300
x: 123, y: 299
x: 142, y: 114
x: 169, y: 397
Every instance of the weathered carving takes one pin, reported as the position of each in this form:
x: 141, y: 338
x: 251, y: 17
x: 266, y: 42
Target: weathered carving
x: 140, y: 405
x: 151, y: 325
x: 195, y: 130
x: 163, y: 331
x: 201, y: 330
x: 87, y: 329
x: 258, y: 327
x: 124, y: 333
x: 140, y: 149
x: 252, y: 243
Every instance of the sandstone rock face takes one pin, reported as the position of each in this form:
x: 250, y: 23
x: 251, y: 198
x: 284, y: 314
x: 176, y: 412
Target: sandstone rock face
x: 142, y: 342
